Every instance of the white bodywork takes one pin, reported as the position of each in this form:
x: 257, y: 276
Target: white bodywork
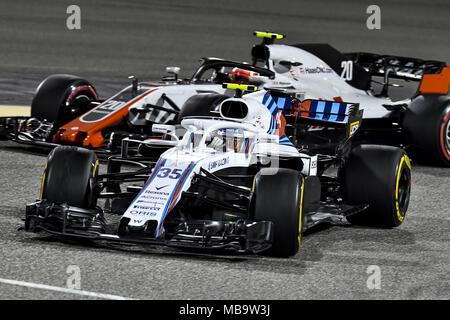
x: 173, y: 173
x: 180, y: 93
x: 321, y: 82
x: 313, y: 79
x: 324, y: 84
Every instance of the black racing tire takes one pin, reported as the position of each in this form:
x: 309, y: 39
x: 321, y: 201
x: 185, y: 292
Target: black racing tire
x: 70, y: 177
x: 61, y: 98
x: 379, y: 176
x: 427, y: 125
x: 201, y: 105
x: 278, y: 198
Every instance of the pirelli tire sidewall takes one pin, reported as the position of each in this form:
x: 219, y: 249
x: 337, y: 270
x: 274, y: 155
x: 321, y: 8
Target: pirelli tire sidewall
x: 56, y: 93
x: 379, y: 176
x: 425, y: 124
x: 70, y: 177
x: 277, y: 197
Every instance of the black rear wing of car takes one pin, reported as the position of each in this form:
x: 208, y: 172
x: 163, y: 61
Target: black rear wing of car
x: 313, y: 112
x: 318, y: 124
x: 397, y: 67
x: 331, y: 114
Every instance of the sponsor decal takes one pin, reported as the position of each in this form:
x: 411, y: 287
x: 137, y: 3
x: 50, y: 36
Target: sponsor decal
x: 157, y: 192
x: 280, y: 83
x: 146, y: 207
x: 259, y: 122
x: 318, y: 70
x: 152, y: 197
x: 142, y: 213
x: 316, y: 128
x: 353, y: 128
x: 218, y: 163
x: 293, y: 74
x: 163, y: 128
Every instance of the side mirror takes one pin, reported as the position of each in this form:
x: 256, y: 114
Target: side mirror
x: 163, y: 128
x: 134, y: 82
x: 166, y: 129
x: 173, y: 72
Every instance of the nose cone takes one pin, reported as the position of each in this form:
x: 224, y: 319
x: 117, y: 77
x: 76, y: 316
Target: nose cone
x: 77, y: 137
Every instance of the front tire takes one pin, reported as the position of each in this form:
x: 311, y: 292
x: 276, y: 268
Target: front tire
x: 379, y: 176
x: 278, y: 197
x: 61, y: 98
x: 70, y: 177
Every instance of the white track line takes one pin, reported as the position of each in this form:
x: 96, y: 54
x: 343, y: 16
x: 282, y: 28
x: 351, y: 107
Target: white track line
x: 64, y: 290
x: 15, y: 111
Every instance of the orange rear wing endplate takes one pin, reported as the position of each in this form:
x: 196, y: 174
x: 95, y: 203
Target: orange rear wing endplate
x: 436, y: 83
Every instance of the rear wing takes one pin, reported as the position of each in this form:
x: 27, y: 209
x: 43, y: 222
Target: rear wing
x: 320, y: 126
x: 400, y: 67
x: 334, y: 114
x: 311, y: 112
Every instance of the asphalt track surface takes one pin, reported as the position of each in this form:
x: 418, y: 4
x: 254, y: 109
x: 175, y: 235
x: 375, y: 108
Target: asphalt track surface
x: 118, y: 39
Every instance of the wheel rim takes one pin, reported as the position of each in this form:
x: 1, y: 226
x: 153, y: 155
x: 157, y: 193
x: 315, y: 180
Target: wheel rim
x: 75, y: 106
x: 447, y: 135
x: 404, y: 189
x: 77, y: 101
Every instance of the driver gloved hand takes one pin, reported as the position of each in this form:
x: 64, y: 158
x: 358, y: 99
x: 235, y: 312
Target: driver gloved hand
x: 216, y: 143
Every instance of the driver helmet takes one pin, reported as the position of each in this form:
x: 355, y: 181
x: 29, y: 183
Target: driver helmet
x: 239, y: 75
x: 227, y: 139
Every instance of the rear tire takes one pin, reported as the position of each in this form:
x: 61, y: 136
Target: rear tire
x: 379, y: 176
x: 278, y: 198
x: 70, y: 177
x: 61, y: 98
x: 427, y: 124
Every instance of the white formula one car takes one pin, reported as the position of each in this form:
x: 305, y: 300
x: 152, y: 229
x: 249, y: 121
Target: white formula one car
x: 228, y: 184
x: 420, y: 123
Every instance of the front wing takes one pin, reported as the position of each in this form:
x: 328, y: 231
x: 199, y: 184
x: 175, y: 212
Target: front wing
x: 241, y: 236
